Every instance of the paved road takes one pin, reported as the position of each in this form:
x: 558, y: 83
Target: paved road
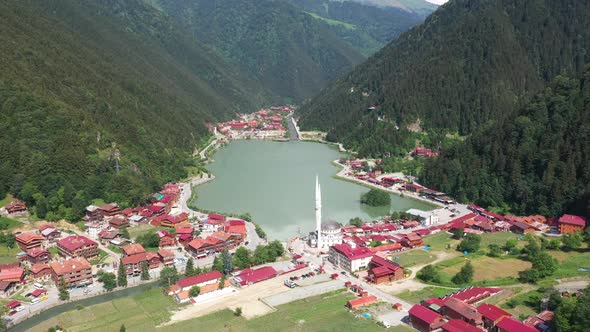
x: 252, y: 237
x: 293, y: 132
x: 187, y: 191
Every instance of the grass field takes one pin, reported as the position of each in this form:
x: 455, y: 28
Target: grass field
x: 135, y: 231
x: 7, y: 223
x: 440, y: 241
x: 7, y: 199
x: 569, y: 266
x: 488, y: 268
x: 8, y: 255
x: 423, y: 294
x: 499, y: 238
x: 414, y: 257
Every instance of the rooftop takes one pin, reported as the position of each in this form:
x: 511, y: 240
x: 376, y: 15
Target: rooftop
x: 492, y: 312
x: 457, y: 325
x: 572, y: 220
x: 425, y: 314
x: 74, y: 242
x: 132, y: 249
x: 199, y: 279
x: 70, y: 265
x: 353, y: 253
x: 509, y: 324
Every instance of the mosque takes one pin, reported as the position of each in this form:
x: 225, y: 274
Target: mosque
x: 327, y: 233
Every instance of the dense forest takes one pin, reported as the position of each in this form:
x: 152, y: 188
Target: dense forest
x: 84, y: 84
x: 470, y: 62
x: 289, y: 52
x: 367, y: 28
x: 421, y: 7
x: 537, y: 161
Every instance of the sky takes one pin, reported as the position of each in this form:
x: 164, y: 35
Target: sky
x: 438, y: 2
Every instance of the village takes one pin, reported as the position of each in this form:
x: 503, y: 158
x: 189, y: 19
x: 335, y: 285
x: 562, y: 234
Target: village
x: 378, y: 262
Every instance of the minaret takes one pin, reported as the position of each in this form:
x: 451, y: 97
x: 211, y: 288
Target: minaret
x: 318, y: 212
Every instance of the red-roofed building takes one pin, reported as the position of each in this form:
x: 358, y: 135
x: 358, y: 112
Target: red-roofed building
x: 200, y: 248
x: 423, y: 152
x: 413, y: 188
x: 133, y: 249
x: 167, y: 240
x: 361, y: 302
x: 75, y: 272
x: 236, y: 230
x: 133, y: 262
x: 571, y: 224
x: 509, y: 324
x: 15, y: 207
x: 93, y: 213
x: 387, y: 247
x: 40, y: 271
x: 492, y: 315
x: 200, y: 280
x: 118, y: 222
x: 50, y: 233
x: 469, y: 295
x: 457, y: 325
x: 38, y: 255
x: 230, y: 241
x: 166, y: 256
x: 77, y: 246
x: 109, y: 210
x: 29, y: 240
x: 252, y: 276
x: 412, y: 240
x: 457, y: 309
x: 424, y: 319
x: 350, y: 257
x: 15, y: 274
x: 381, y: 270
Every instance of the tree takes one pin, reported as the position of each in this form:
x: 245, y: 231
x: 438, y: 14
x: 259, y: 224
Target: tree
x: 587, y: 235
x: 194, y: 291
x: 217, y: 264
x: 358, y: 222
x: 494, y: 250
x: 276, y: 249
x: 259, y: 231
x: 376, y: 197
x: 168, y: 276
x: 228, y: 266
x: 470, y: 243
x: 242, y: 258
x: 543, y: 266
x: 64, y: 295
x: 532, y: 248
x: 465, y: 275
x: 109, y: 280
x: 121, y: 275
x: 510, y: 245
x: 458, y: 233
x: 429, y: 274
x: 145, y: 271
x: 261, y: 255
x: 149, y: 240
x: 190, y: 268
x: 246, y: 216
x: 572, y: 241
x: 125, y: 233
x: 554, y: 244
x: 238, y: 312
x: 122, y: 328
x: 222, y: 282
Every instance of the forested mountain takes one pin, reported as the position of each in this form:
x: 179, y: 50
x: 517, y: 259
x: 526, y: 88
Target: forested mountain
x: 470, y: 62
x: 293, y: 54
x: 84, y: 82
x: 367, y: 28
x: 537, y: 161
x: 420, y: 7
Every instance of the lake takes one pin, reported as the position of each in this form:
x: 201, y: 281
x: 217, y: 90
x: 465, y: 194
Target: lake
x: 275, y: 183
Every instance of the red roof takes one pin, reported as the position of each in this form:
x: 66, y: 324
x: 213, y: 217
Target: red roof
x: 236, y: 229
x: 250, y: 276
x: 464, y: 309
x: 13, y: 274
x: 35, y: 252
x: 71, y: 265
x: 38, y: 292
x: 492, y: 312
x: 469, y: 295
x: 235, y: 222
x: 387, y: 247
x: 137, y: 258
x: 214, y: 216
x: 457, y: 325
x: 353, y: 253
x: 199, y: 279
x: 132, y: 249
x: 383, y: 267
x: 13, y: 304
x: 38, y: 267
x: 184, y: 230
x: 361, y: 301
x: 74, y: 242
x: 572, y: 220
x: 425, y: 314
x: 29, y: 237
x: 512, y: 325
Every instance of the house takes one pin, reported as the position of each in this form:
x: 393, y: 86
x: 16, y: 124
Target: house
x: 350, y: 257
x: 167, y: 240
x: 133, y: 262
x: 509, y: 324
x: 118, y: 222
x: 382, y: 270
x: 15, y: 207
x: 13, y: 274
x: 200, y: 280
x: 492, y: 315
x: 166, y: 256
x: 93, y: 228
x: 412, y: 240
x: 571, y: 224
x: 26, y: 241
x: 7, y: 288
x: 457, y: 325
x: 93, y: 213
x: 230, y: 241
x: 237, y: 228
x: 38, y: 255
x: 213, y: 222
x: 361, y: 302
x: 413, y: 188
x: 109, y: 210
x: 423, y: 152
x: 138, y: 219
x: 457, y: 309
x: 50, y: 233
x: 107, y: 236
x: 390, y: 247
x: 40, y: 271
x: 424, y: 319
x: 252, y: 276
x: 519, y: 227
x: 77, y: 246
x: 200, y: 248
x: 36, y: 293
x: 74, y: 272
x: 427, y: 218
x: 468, y: 295
x: 132, y: 249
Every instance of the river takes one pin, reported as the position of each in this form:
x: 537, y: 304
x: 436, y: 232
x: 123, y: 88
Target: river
x: 275, y: 183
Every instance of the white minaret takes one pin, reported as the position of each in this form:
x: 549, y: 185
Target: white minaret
x: 318, y: 212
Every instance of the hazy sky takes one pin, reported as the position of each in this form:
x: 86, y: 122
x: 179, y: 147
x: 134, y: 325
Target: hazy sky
x: 438, y: 2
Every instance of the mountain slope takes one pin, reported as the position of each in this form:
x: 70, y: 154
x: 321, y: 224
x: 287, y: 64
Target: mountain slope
x: 367, y: 28
x: 537, y: 161
x: 420, y: 7
x: 290, y: 52
x: 81, y: 82
x: 469, y: 62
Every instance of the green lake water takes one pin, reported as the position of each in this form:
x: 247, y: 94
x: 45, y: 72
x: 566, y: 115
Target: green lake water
x: 275, y: 183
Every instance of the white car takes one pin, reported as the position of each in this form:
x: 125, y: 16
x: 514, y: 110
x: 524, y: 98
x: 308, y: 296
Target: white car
x: 20, y: 308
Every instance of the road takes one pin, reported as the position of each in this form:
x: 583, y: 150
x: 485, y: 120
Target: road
x: 187, y: 191
x: 293, y: 131
x: 252, y: 237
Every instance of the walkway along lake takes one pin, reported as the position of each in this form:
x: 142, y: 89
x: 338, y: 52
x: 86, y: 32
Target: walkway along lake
x: 274, y: 182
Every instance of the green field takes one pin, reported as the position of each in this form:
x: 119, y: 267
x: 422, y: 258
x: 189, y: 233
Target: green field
x: 414, y: 257
x: 7, y: 223
x: 440, y: 241
x: 8, y: 255
x: 499, y: 238
x: 423, y: 294
x: 333, y: 22
x: 145, y: 311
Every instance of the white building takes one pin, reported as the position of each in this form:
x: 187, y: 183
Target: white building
x: 350, y: 257
x: 427, y: 218
x: 326, y: 234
